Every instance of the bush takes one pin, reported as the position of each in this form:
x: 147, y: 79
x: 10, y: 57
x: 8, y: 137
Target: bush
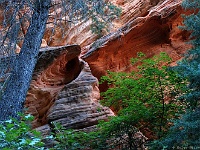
x: 185, y: 132
x: 148, y: 97
x: 18, y: 135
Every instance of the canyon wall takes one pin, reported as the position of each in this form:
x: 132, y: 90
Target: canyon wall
x: 156, y: 30
x: 64, y: 87
x: 148, y: 26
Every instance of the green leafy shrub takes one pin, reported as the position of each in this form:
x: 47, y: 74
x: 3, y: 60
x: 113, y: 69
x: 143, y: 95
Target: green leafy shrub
x: 188, y: 67
x: 185, y: 132
x: 114, y: 134
x: 102, y: 23
x: 69, y: 139
x: 18, y: 135
x: 146, y: 97
x: 120, y: 133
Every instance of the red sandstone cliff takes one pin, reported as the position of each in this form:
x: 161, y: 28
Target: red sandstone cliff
x: 149, y: 26
x: 63, y: 88
x: 152, y: 31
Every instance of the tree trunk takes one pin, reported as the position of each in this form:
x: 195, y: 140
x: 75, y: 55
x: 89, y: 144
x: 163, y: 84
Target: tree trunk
x: 14, y: 96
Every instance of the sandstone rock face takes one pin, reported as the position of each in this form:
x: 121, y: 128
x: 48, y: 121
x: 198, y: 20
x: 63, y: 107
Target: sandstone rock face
x: 149, y: 26
x: 64, y: 90
x: 153, y: 32
x: 49, y: 77
x: 81, y: 34
x: 77, y: 104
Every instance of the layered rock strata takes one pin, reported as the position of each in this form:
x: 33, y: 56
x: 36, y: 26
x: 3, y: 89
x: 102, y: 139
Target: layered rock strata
x: 149, y: 26
x: 63, y: 90
x: 156, y: 31
x: 77, y: 104
x: 49, y: 77
x: 144, y: 26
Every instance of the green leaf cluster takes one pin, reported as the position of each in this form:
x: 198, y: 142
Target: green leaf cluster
x: 185, y: 132
x: 147, y: 97
x: 100, y: 23
x: 18, y: 135
x: 69, y: 139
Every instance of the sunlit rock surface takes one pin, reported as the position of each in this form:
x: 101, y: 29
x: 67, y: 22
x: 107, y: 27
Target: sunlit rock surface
x: 64, y: 90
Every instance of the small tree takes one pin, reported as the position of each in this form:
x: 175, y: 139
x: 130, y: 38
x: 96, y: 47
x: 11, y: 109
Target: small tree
x: 186, y: 129
x: 147, y: 98
x: 16, y: 134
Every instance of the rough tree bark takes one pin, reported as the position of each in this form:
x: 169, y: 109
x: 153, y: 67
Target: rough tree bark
x: 14, y: 96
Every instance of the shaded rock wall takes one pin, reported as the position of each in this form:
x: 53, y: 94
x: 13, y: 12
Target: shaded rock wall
x: 77, y: 104
x: 63, y: 88
x: 150, y: 26
x: 49, y: 77
x: 156, y: 31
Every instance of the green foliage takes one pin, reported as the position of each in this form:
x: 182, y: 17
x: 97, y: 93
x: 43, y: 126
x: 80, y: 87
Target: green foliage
x: 148, y: 96
x: 140, y: 99
x: 192, y: 24
x: 119, y: 133
x: 116, y: 134
x: 16, y: 134
x: 29, y: 27
x: 100, y: 23
x: 69, y: 139
x: 185, y: 132
x: 192, y: 21
x: 189, y: 66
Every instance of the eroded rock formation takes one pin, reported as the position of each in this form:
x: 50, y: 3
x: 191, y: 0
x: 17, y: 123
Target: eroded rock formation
x: 64, y: 90
x: 49, y: 77
x: 156, y: 30
x: 77, y: 104
x: 149, y: 26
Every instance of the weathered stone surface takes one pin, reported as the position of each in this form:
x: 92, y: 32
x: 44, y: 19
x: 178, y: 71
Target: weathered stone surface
x: 56, y: 67
x: 149, y: 26
x: 64, y: 90
x: 77, y: 104
x: 80, y: 32
x: 153, y: 32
